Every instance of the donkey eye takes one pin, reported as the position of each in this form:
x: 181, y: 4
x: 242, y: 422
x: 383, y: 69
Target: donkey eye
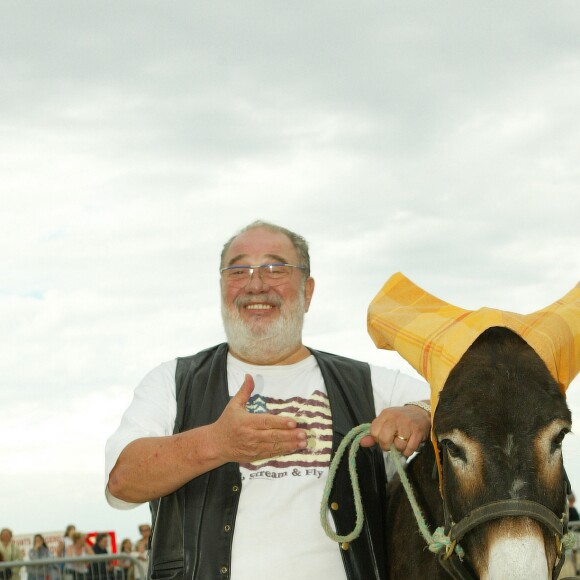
x: 557, y: 441
x: 454, y: 450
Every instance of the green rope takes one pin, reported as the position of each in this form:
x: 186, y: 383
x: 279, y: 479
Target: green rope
x: 353, y: 438
x: 436, y: 542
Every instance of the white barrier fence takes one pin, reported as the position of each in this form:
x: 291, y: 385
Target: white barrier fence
x: 98, y: 567
x: 128, y: 567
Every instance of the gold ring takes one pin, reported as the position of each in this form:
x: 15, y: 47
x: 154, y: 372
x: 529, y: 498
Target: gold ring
x: 402, y: 438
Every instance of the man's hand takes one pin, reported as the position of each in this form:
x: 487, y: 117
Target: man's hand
x: 151, y: 467
x: 407, y: 427
x: 242, y: 437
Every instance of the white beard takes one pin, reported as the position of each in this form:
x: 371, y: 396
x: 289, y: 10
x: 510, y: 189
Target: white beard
x: 264, y: 343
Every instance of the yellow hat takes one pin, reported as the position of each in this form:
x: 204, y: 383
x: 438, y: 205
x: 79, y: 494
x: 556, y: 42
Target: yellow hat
x: 433, y: 335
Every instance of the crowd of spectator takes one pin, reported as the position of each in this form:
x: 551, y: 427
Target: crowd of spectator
x: 75, y: 544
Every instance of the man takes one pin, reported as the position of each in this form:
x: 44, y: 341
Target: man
x: 231, y: 446
x: 143, y: 542
x: 10, y: 551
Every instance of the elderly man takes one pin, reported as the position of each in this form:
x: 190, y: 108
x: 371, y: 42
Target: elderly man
x: 231, y: 446
x: 10, y: 551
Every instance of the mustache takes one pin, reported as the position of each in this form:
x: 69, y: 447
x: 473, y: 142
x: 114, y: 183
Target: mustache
x: 242, y: 301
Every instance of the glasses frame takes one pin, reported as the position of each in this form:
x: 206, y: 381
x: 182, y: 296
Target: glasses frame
x: 260, y: 269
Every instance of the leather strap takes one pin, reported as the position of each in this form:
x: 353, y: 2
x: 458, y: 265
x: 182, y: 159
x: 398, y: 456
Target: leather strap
x: 506, y: 508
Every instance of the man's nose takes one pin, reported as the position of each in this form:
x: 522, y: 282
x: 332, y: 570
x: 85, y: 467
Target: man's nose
x: 255, y: 283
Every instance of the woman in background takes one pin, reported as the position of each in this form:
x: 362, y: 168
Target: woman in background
x: 40, y: 551
x: 125, y: 565
x: 66, y: 541
x: 78, y: 548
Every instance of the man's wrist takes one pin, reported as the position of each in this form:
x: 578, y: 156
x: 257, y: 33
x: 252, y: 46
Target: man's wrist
x: 421, y: 404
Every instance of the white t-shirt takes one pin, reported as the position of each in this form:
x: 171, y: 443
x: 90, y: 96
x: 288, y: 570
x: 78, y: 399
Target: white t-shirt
x: 277, y: 529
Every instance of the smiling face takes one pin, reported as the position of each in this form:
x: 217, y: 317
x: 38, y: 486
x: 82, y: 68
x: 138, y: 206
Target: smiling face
x: 263, y: 324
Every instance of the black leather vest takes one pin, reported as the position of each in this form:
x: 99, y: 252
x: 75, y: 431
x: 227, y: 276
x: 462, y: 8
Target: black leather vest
x: 194, y: 526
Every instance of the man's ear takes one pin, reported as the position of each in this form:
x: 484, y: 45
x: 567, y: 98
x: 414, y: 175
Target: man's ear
x: 308, y: 291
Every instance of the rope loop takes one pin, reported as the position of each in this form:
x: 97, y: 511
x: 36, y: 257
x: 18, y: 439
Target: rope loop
x: 436, y: 543
x: 352, y: 438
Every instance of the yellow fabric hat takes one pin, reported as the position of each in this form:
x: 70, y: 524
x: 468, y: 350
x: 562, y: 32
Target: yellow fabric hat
x: 433, y: 335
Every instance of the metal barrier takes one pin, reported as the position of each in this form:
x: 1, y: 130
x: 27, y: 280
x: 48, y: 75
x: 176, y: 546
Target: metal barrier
x: 98, y: 567
x: 106, y: 566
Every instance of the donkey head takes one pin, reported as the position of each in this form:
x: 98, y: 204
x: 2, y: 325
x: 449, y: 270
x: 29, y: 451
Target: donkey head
x: 500, y: 423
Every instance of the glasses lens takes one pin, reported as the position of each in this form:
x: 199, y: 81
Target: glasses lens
x: 275, y: 273
x: 237, y: 275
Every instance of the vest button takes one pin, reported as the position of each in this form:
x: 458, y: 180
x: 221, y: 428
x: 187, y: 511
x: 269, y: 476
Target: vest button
x: 224, y: 569
x: 227, y: 528
x: 334, y: 506
x: 345, y: 546
x: 235, y: 489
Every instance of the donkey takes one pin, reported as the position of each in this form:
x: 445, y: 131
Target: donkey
x: 499, y: 426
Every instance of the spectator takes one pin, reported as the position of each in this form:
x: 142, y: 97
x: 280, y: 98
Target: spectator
x: 572, y: 511
x: 79, y: 547
x: 5, y: 573
x: 145, y: 531
x: 125, y: 565
x: 10, y: 551
x: 101, y: 570
x: 142, y: 554
x: 40, y: 551
x: 66, y: 541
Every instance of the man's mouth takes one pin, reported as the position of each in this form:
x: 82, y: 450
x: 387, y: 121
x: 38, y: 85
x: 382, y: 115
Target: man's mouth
x: 258, y: 302
x: 259, y: 306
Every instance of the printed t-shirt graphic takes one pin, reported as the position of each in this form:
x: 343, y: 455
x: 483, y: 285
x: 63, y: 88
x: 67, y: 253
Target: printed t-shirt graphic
x: 312, y: 415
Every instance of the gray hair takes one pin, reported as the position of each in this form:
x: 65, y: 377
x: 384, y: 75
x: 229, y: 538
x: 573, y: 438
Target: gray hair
x: 299, y: 243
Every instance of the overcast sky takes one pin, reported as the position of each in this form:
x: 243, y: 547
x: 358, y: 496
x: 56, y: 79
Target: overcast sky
x: 437, y: 139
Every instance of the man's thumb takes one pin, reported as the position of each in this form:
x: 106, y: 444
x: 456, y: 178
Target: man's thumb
x: 245, y: 392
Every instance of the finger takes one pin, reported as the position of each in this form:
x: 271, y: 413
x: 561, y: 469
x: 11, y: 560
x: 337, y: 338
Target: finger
x: 401, y: 444
x: 367, y: 441
x: 383, y: 433
x: 245, y: 392
x: 407, y: 445
x: 274, y: 442
x: 267, y: 422
x: 285, y: 442
x: 413, y: 444
x: 290, y: 439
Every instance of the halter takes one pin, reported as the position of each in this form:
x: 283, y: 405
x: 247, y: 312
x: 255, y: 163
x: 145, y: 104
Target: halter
x: 460, y: 570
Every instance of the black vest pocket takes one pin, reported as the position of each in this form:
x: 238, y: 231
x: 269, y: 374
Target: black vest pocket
x: 171, y: 570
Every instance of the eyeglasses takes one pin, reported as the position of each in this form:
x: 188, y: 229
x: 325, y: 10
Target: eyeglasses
x: 271, y: 274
